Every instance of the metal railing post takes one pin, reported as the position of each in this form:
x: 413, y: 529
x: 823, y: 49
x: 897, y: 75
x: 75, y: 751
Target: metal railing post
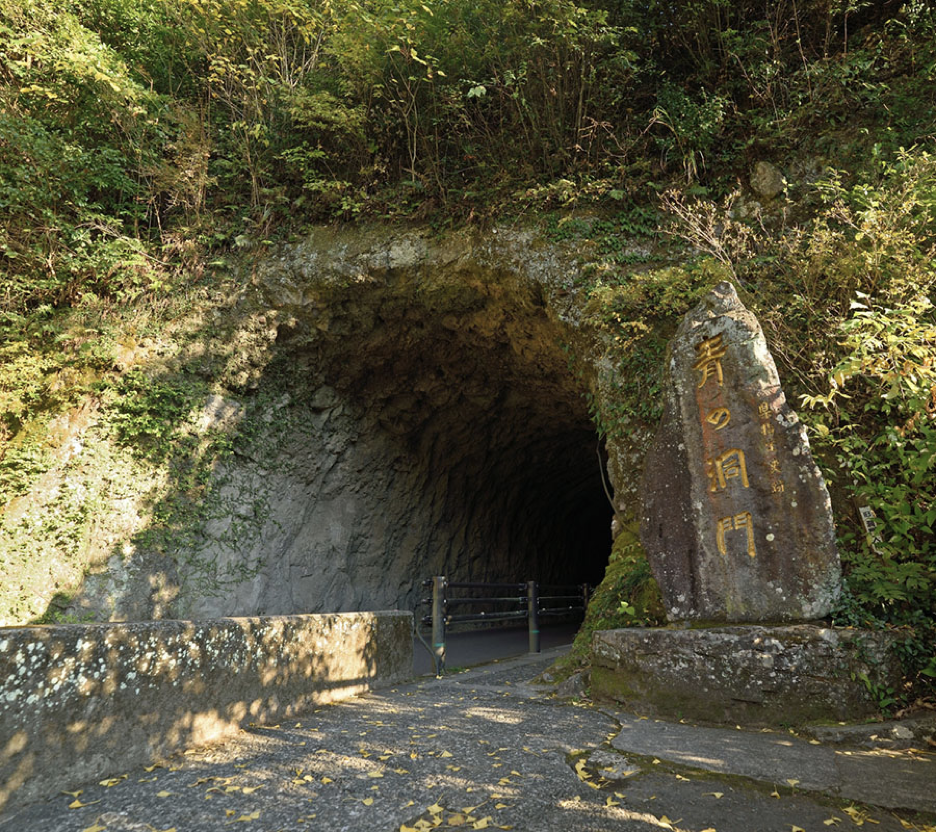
x: 533, y: 616
x: 438, y: 623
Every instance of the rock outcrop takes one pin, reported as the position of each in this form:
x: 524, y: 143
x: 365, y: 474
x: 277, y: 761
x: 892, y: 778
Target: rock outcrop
x: 737, y: 520
x: 398, y: 406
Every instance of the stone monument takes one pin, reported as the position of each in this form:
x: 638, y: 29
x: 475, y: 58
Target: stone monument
x: 737, y: 522
x: 737, y: 527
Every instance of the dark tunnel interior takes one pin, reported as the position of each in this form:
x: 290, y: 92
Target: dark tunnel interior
x: 491, y: 431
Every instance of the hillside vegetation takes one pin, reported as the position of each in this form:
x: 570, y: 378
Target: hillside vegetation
x: 144, y: 143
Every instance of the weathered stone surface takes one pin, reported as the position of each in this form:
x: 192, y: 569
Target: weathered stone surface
x: 736, y: 517
x: 918, y: 731
x: 746, y: 674
x: 573, y: 687
x: 79, y: 702
x: 417, y: 417
x: 766, y: 180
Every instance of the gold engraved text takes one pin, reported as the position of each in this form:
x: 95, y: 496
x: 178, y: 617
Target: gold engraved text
x: 736, y: 522
x: 727, y: 466
x: 719, y: 417
x: 708, y: 363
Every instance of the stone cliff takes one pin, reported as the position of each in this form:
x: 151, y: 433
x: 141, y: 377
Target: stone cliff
x: 397, y: 405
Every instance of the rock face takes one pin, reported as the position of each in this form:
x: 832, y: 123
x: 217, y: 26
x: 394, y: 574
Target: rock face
x: 365, y: 407
x: 415, y: 415
x: 736, y: 517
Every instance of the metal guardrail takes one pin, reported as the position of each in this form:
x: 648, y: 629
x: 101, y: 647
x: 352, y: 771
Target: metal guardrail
x: 516, y: 602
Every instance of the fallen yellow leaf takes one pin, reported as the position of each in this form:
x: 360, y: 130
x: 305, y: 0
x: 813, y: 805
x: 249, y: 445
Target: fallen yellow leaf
x: 796, y: 829
x: 858, y: 816
x: 435, y: 809
x: 327, y: 780
x: 247, y: 818
x: 457, y: 819
x: 250, y: 789
x: 95, y: 828
x: 77, y: 804
x: 791, y: 781
x: 716, y: 795
x: 833, y: 821
x: 74, y: 794
x: 163, y: 793
x: 446, y: 754
x: 368, y: 801
x: 113, y: 781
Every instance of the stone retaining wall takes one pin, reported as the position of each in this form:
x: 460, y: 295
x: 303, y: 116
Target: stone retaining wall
x: 752, y: 675
x: 82, y: 702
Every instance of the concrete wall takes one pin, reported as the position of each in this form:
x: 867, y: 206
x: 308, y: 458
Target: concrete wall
x: 81, y: 702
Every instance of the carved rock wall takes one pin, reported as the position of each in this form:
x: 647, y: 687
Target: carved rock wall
x: 426, y: 422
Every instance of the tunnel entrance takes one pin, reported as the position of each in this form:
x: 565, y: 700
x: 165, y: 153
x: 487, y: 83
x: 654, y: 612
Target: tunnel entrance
x: 424, y: 421
x: 488, y: 431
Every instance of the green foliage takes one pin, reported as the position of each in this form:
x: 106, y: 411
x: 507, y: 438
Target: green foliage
x: 847, y: 302
x: 692, y: 125
x: 882, y: 393
x: 885, y: 396
x: 126, y: 122
x: 637, y: 313
x: 146, y: 413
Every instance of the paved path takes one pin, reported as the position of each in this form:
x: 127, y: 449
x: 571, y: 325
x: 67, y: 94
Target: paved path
x: 486, y: 750
x: 474, y: 647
